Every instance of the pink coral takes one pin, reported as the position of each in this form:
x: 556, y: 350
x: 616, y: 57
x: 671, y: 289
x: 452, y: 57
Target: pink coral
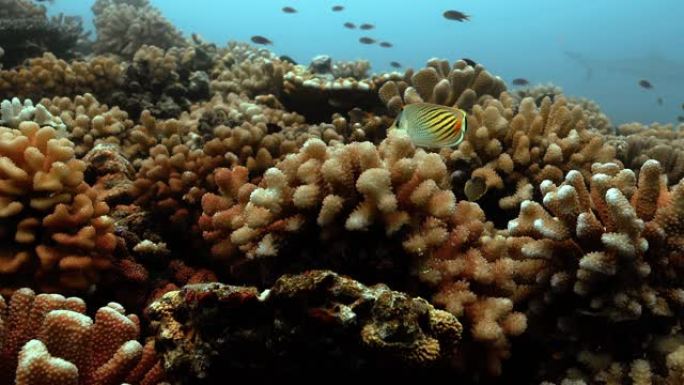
x: 47, y: 339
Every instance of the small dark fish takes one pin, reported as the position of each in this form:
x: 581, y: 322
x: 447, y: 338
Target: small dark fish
x: 470, y: 62
x: 289, y: 10
x: 395, y: 64
x: 645, y: 84
x: 659, y: 101
x: 386, y: 44
x: 287, y: 59
x: 261, y: 40
x: 349, y: 25
x: 520, y: 82
x: 682, y: 106
x: 366, y: 40
x: 456, y: 15
x: 366, y: 26
x: 337, y: 8
x: 680, y: 119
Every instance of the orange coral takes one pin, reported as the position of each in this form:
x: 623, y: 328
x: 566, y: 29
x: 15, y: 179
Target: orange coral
x: 54, y: 228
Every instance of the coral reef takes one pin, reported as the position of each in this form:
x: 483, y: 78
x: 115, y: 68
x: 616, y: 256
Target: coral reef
x: 314, y: 320
x: 48, y: 339
x: 145, y: 168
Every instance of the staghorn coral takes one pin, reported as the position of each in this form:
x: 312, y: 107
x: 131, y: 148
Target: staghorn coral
x: 461, y: 85
x: 48, y: 339
x: 55, y: 233
x: 123, y: 27
x: 313, y: 320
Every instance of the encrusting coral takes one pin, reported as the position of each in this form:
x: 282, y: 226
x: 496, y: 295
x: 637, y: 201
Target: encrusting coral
x: 313, y: 320
x: 48, y: 339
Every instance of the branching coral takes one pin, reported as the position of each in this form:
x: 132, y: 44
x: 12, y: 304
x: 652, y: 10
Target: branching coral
x: 355, y: 186
x: 615, y: 247
x: 503, y: 148
x: 89, y: 122
x: 440, y: 83
x: 47, y: 339
x: 313, y: 320
x: 47, y: 76
x: 241, y: 68
x: 638, y: 143
x: 55, y: 233
x: 123, y: 26
x: 13, y: 112
x: 163, y: 82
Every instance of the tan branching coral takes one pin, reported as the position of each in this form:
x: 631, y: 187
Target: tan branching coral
x: 355, y: 185
x: 47, y: 76
x: 55, y: 233
x: 241, y: 68
x: 615, y: 239
x: 440, y: 83
x: 47, y: 339
x: 89, y: 122
x: 122, y: 28
x: 503, y: 148
x: 638, y: 143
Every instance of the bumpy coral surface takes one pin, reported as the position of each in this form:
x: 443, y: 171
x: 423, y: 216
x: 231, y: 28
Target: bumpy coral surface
x: 47, y: 339
x: 314, y: 320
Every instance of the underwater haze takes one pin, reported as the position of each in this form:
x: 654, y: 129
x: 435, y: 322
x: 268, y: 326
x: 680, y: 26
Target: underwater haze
x: 595, y: 49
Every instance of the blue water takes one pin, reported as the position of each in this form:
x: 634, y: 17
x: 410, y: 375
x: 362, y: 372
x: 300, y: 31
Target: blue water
x: 621, y: 41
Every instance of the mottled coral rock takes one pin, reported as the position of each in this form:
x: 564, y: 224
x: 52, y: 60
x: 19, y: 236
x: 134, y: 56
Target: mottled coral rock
x: 313, y: 320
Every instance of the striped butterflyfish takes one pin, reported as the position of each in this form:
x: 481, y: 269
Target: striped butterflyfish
x: 432, y: 125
